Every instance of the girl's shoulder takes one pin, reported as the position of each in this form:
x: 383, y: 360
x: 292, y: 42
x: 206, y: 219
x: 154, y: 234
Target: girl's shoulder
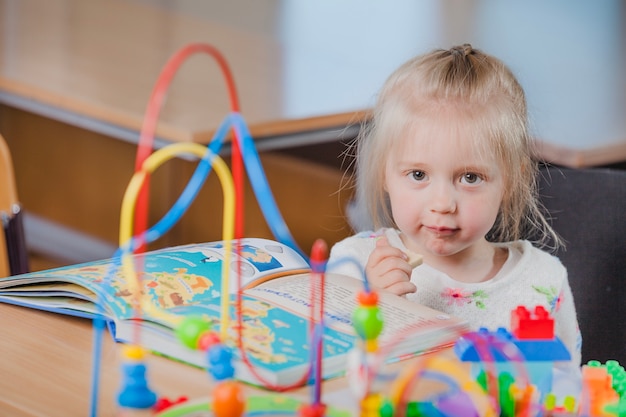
x: 367, y: 237
x: 534, y: 260
x: 349, y: 256
x: 362, y: 243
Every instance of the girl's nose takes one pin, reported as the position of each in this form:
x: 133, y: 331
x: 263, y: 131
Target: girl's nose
x: 443, y: 198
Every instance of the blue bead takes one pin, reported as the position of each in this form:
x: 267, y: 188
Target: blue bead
x: 220, y: 362
x: 135, y: 392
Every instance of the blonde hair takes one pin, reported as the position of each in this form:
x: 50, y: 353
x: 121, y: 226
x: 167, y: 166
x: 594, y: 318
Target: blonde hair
x: 485, y: 90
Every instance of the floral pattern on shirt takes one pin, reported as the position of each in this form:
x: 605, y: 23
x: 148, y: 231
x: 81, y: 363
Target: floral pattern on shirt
x: 460, y: 297
x: 552, y: 295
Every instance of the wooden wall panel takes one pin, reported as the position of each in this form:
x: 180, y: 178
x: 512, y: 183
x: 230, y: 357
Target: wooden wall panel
x: 77, y: 178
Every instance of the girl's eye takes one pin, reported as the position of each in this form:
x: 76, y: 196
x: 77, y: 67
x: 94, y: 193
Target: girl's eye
x: 471, y: 178
x: 417, y: 175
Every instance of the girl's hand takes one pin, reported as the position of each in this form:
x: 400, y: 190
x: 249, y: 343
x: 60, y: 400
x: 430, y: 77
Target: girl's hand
x: 388, y: 268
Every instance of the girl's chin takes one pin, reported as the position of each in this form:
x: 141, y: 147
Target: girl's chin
x: 436, y: 246
x: 440, y: 248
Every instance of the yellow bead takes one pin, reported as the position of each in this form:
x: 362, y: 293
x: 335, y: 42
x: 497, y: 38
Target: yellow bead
x: 133, y: 352
x: 371, y: 346
x: 370, y: 405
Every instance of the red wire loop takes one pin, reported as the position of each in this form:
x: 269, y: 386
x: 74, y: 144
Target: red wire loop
x: 145, y: 147
x: 151, y: 117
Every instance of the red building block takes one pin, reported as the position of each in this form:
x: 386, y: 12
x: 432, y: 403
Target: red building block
x: 538, y: 325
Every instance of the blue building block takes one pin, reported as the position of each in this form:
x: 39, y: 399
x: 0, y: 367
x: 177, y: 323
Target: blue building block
x: 505, y: 351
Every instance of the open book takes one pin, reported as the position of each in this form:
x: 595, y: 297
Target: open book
x: 276, y: 300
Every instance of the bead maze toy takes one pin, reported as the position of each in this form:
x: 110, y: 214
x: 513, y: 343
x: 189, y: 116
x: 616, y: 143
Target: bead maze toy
x: 226, y: 398
x: 510, y: 375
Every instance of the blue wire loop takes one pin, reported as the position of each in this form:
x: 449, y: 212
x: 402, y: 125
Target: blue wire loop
x: 261, y: 187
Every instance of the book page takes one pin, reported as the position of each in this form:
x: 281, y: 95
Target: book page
x: 259, y: 260
x: 169, y: 277
x: 400, y: 315
x: 51, y: 288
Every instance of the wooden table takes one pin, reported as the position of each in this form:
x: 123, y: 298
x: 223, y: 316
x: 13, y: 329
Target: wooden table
x: 46, y: 368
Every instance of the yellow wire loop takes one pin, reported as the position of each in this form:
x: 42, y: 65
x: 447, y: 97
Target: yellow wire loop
x: 149, y: 165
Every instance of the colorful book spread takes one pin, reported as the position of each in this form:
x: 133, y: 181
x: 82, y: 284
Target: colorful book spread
x: 275, y: 310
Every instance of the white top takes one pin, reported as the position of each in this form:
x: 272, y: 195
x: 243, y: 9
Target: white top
x: 529, y: 277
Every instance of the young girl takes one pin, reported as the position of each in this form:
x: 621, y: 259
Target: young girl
x: 444, y: 170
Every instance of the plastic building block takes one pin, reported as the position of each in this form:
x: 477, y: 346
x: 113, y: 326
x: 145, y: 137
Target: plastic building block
x: 538, y: 355
x: 604, y: 388
x: 618, y: 375
x: 536, y: 325
x: 569, y: 404
x: 533, y: 350
x: 598, y: 391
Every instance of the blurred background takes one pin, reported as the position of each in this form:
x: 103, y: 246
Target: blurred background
x: 76, y: 76
x: 570, y: 55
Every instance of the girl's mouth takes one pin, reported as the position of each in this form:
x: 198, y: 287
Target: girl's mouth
x: 441, y: 230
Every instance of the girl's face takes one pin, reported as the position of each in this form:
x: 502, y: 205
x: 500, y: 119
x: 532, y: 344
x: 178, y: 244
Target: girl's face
x: 445, y: 194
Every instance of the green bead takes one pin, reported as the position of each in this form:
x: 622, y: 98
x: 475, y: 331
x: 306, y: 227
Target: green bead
x: 386, y: 409
x: 367, y: 322
x: 190, y: 330
x: 507, y: 402
x: 413, y: 409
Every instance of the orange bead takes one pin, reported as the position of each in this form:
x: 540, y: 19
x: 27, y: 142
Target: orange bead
x: 367, y: 299
x: 228, y: 399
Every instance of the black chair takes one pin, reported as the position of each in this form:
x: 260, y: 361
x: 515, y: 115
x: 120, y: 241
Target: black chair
x: 587, y: 208
x: 13, y: 250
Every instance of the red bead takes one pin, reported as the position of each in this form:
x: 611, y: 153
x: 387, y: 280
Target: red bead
x: 164, y: 403
x: 207, y: 339
x: 312, y: 410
